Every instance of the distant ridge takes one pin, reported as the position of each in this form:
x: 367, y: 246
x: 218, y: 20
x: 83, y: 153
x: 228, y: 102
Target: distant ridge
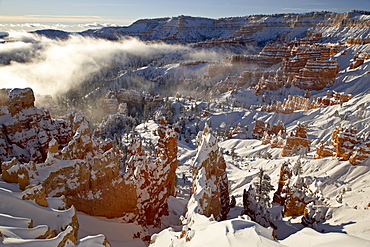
x: 253, y: 29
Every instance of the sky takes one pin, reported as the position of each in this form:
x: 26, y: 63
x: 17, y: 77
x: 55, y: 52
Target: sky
x: 64, y: 14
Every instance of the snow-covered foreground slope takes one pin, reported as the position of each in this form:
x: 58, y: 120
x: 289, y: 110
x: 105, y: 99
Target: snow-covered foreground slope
x: 24, y: 223
x: 235, y: 232
x: 309, y: 237
x: 119, y: 234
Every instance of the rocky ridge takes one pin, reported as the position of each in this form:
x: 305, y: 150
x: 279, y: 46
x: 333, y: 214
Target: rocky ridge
x: 232, y: 31
x: 86, y: 170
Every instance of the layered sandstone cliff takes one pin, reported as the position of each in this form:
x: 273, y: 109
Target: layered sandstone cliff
x: 317, y: 75
x: 306, y: 65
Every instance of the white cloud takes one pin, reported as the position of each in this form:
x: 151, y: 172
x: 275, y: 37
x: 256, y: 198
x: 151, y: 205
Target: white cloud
x: 33, y: 26
x: 53, y: 67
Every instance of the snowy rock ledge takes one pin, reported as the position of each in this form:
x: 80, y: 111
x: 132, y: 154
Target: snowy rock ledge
x: 235, y: 232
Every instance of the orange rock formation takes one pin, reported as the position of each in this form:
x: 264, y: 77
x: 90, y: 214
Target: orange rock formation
x: 296, y: 141
x: 87, y: 170
x: 305, y: 65
x: 297, y: 103
x: 210, y: 195
x: 292, y: 193
x: 346, y: 145
x: 322, y: 151
x: 344, y: 140
x: 316, y: 75
x: 26, y: 131
x: 262, y: 129
x: 362, y: 151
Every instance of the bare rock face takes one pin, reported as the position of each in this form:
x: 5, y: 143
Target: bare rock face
x: 293, y: 192
x: 210, y: 194
x: 285, y: 175
x: 86, y: 170
x: 304, y: 64
x: 354, y: 41
x: 301, y: 54
x: 20, y: 99
x: 91, y: 187
x: 293, y: 103
x: 346, y: 145
x: 25, y: 130
x: 317, y: 75
x: 331, y: 98
x: 297, y: 199
x: 362, y: 151
x: 296, y: 141
x: 271, y: 55
x: 36, y: 194
x: 166, y: 154
x: 322, y: 151
x: 92, y: 181
x: 344, y: 140
x: 155, y: 179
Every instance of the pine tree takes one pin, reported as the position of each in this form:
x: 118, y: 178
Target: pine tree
x: 256, y: 210
x: 297, y: 168
x: 232, y: 201
x: 263, y: 187
x: 233, y: 154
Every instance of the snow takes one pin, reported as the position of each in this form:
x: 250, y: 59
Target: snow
x: 308, y: 237
x: 9, y: 220
x: 233, y: 233
x: 13, y: 205
x: 37, y: 242
x: 118, y: 234
x: 97, y: 240
x: 23, y: 232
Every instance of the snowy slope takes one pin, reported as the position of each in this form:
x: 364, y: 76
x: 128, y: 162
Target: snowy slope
x: 24, y: 223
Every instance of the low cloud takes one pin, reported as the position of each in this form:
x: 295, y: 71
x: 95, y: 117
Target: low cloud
x: 33, y: 26
x: 55, y: 66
